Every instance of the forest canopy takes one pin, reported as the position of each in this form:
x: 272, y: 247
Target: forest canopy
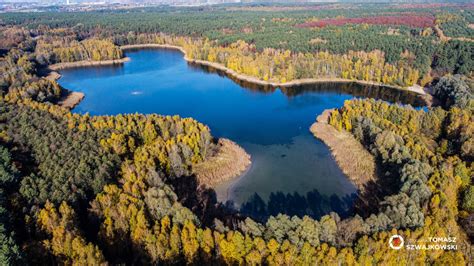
x: 80, y: 189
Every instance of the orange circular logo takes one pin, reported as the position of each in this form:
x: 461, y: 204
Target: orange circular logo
x: 396, y: 242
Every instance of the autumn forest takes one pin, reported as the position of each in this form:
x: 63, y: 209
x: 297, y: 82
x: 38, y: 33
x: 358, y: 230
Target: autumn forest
x: 80, y: 189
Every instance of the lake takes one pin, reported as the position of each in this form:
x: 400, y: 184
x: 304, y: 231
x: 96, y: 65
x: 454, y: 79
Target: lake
x: 291, y: 172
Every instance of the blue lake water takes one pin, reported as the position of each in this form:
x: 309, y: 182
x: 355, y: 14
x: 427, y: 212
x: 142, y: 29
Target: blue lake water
x: 291, y: 172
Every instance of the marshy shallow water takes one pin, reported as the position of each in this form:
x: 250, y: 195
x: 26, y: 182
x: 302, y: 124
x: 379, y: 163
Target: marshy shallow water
x: 291, y: 172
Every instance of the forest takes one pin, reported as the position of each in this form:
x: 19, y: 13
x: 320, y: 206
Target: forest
x: 89, y: 190
x: 416, y: 48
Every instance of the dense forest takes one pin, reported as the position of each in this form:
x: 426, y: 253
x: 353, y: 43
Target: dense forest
x: 88, y: 190
x: 422, y: 51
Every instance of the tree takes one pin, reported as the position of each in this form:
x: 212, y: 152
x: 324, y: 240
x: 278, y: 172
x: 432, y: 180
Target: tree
x: 453, y: 91
x: 66, y: 242
x: 190, y: 242
x: 328, y: 229
x: 10, y: 252
x: 468, y: 199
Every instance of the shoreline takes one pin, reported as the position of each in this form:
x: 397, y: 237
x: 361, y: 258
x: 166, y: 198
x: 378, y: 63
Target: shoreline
x: 152, y: 45
x: 346, y: 151
x: 69, y: 99
x: 86, y: 63
x: 223, y: 188
x: 53, y: 76
x: 227, y: 165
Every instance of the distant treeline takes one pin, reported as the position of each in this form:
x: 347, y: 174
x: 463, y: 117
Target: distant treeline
x: 279, y: 30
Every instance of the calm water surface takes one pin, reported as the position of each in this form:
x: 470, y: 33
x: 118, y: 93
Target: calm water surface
x: 291, y: 172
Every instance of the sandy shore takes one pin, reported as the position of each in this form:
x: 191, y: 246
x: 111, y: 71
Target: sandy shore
x: 53, y: 75
x: 224, y: 188
x: 152, y: 45
x: 229, y: 163
x: 70, y: 99
x: 86, y: 63
x: 353, y: 159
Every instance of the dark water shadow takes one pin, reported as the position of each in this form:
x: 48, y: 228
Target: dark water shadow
x: 359, y: 91
x: 202, y: 201
x: 313, y: 204
x: 264, y: 89
x: 355, y: 89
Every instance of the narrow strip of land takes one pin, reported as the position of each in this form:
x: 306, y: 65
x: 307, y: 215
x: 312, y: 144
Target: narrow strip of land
x: 70, y: 99
x: 353, y: 159
x: 84, y: 63
x: 228, y: 163
x: 53, y: 75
